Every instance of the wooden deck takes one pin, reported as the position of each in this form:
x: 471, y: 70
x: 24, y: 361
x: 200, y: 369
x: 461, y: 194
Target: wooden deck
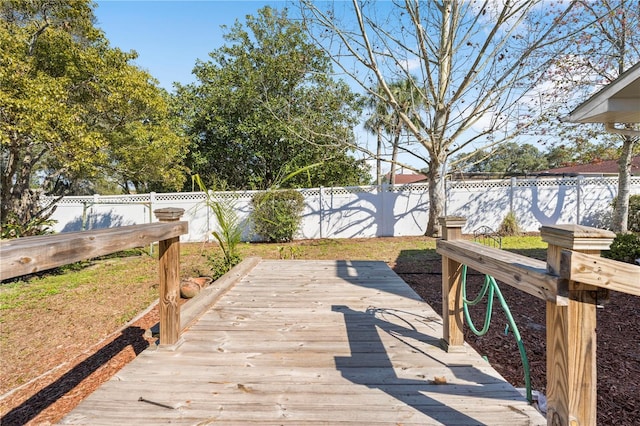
x: 310, y: 343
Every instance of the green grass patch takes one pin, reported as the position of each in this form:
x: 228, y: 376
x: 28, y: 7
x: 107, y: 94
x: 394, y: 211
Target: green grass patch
x: 383, y: 249
x: 37, y: 290
x: 527, y: 245
x: 135, y: 268
x: 523, y: 242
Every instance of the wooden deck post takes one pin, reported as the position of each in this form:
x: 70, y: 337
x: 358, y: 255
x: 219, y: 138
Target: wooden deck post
x: 169, y: 271
x: 571, y: 331
x: 452, y: 320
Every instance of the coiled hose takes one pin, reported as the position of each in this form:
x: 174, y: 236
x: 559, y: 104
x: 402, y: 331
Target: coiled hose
x: 491, y: 289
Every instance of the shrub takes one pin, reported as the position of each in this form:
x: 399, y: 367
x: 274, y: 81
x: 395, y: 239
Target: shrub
x: 277, y: 214
x: 509, y: 225
x: 633, y: 215
x: 625, y: 248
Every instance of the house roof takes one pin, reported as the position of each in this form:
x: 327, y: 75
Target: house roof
x: 618, y: 102
x: 405, y: 178
x: 608, y: 167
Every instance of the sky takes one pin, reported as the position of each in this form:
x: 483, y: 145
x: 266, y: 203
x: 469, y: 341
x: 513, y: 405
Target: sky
x: 170, y: 35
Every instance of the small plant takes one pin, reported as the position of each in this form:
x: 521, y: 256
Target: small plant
x: 624, y: 248
x: 229, y: 232
x: 289, y: 252
x: 509, y: 225
x: 277, y: 214
x: 36, y: 226
x: 222, y: 265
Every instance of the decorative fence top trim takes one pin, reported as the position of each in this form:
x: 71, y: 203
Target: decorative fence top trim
x: 333, y: 191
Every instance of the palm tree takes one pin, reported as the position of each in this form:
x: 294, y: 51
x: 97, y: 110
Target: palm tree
x: 377, y: 124
x: 387, y: 120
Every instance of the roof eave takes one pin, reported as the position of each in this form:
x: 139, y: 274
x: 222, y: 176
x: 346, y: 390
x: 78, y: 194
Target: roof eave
x: 618, y: 102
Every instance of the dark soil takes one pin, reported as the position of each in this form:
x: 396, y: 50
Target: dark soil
x: 618, y: 350
x: 50, y: 397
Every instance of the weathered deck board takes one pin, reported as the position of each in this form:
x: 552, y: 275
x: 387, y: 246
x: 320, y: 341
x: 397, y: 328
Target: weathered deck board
x: 310, y: 343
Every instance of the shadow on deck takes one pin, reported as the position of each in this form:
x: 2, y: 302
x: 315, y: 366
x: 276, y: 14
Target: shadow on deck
x: 310, y: 342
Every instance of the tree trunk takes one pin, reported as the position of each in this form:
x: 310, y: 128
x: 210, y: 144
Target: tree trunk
x: 438, y: 141
x: 436, y: 199
x: 21, y: 205
x: 394, y: 158
x: 621, y: 211
x: 17, y: 197
x: 379, y: 157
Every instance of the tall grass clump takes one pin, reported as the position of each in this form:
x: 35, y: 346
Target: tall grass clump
x: 229, y: 229
x: 509, y: 225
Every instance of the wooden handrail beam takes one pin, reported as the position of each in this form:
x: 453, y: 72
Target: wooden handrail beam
x: 600, y: 272
x: 524, y: 273
x: 22, y: 256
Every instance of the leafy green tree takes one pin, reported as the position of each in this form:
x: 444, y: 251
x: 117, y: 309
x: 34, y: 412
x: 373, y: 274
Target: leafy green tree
x: 74, y: 111
x: 510, y: 159
x: 146, y: 151
x: 563, y: 155
x: 265, y: 105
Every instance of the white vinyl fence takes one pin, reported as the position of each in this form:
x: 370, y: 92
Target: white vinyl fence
x: 369, y: 211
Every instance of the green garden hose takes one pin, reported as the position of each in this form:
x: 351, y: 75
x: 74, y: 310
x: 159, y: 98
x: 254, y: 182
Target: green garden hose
x: 490, y: 289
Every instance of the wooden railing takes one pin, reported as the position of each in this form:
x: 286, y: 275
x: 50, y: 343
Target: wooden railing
x: 573, y: 281
x: 22, y: 256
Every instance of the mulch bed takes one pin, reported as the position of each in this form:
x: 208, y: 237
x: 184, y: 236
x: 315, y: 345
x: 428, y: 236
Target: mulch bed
x: 48, y: 399
x: 618, y: 351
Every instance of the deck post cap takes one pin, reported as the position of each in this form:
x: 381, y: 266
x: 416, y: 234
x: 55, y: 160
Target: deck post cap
x: 577, y: 237
x: 452, y: 221
x: 168, y: 214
